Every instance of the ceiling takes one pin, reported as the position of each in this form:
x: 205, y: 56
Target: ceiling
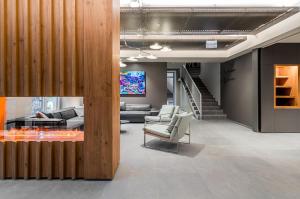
x: 200, y: 20
x: 195, y: 21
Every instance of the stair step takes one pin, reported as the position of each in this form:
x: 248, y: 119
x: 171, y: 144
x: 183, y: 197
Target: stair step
x: 207, y: 97
x: 214, y: 117
x: 212, y: 112
x: 209, y: 103
x: 211, y: 108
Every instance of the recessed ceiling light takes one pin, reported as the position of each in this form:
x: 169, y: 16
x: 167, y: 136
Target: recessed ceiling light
x: 166, y: 49
x: 156, y: 46
x: 122, y: 65
x: 151, y: 57
x: 132, y: 59
x: 134, y: 3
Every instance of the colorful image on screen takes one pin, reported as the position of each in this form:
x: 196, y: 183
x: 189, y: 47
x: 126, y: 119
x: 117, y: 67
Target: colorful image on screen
x: 133, y: 83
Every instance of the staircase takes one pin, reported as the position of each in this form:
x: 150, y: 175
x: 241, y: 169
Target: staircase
x: 210, y: 107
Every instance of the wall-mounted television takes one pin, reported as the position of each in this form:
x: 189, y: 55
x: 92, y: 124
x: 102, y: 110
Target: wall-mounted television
x: 133, y: 83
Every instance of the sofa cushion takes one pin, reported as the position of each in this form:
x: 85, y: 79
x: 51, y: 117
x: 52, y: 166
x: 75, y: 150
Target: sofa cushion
x: 157, y: 129
x: 68, y: 114
x: 122, y: 106
x: 49, y: 115
x: 56, y: 115
x: 166, y: 111
x: 138, y: 107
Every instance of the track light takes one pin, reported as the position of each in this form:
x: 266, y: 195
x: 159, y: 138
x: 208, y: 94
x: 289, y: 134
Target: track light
x: 140, y: 56
x: 151, y: 57
x: 132, y: 59
x: 156, y: 46
x: 166, y: 49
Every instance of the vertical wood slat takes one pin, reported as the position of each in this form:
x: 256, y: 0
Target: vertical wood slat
x: 61, y: 160
x: 50, y: 160
x: 47, y: 41
x: 26, y: 160
x: 3, y: 50
x: 36, y: 47
x: 61, y: 47
x: 14, y: 160
x: 2, y: 159
x: 26, y: 48
x: 38, y: 160
x: 73, y: 161
x: 79, y: 47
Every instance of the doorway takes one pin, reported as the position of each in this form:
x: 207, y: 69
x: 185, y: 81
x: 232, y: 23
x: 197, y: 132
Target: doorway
x: 171, y: 87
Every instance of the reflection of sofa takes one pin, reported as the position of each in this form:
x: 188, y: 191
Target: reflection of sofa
x: 61, y: 119
x: 136, y: 113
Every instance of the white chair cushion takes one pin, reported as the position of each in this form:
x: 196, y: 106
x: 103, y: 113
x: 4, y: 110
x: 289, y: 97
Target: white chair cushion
x: 158, y: 129
x: 166, y: 111
x: 157, y: 119
x: 172, y: 123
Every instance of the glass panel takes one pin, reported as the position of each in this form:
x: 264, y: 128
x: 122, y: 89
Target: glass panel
x: 42, y: 118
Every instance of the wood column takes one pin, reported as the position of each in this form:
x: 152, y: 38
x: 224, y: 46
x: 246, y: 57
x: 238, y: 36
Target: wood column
x: 101, y: 88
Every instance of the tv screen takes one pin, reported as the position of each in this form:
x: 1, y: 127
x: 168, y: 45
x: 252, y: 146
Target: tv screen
x: 133, y: 83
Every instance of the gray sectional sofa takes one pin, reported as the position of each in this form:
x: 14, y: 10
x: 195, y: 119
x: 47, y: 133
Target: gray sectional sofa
x: 135, y: 113
x: 61, y: 119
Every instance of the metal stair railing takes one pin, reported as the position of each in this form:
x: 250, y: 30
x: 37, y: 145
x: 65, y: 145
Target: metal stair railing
x: 192, y: 87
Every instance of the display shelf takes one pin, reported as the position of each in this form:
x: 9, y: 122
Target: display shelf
x: 286, y: 92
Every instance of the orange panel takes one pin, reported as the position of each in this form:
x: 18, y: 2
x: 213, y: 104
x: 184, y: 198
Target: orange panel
x: 2, y: 112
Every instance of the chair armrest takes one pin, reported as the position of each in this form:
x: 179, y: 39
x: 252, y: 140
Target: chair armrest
x: 154, y: 112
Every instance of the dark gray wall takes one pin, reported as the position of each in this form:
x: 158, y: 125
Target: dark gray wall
x: 279, y: 120
x: 239, y: 91
x: 156, y: 84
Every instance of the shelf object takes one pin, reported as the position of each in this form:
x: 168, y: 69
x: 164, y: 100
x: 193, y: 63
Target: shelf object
x: 286, y: 86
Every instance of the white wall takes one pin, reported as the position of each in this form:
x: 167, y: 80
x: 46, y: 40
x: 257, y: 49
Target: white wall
x: 18, y: 107
x: 211, y: 77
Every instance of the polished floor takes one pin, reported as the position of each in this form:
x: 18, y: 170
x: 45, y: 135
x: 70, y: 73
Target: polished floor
x: 225, y: 160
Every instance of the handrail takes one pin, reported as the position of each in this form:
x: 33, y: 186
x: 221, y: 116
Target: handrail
x: 193, y: 88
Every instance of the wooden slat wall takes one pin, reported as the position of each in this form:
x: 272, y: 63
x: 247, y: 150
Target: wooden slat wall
x: 41, y: 48
x: 63, y: 48
x: 41, y: 160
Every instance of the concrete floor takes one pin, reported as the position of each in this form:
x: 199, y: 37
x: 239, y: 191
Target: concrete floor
x: 225, y: 160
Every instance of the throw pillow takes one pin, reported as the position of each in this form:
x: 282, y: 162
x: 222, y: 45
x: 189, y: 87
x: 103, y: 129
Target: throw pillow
x: 41, y: 115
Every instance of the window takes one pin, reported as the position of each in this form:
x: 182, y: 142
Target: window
x: 45, y: 104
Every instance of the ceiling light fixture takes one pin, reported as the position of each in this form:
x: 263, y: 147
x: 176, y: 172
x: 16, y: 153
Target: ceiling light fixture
x: 134, y: 3
x: 140, y: 56
x: 166, y: 49
x: 151, y: 57
x: 156, y: 46
x: 122, y: 65
x: 132, y: 59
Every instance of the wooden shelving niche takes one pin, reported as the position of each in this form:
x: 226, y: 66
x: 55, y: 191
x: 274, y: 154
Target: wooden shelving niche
x: 286, y: 86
